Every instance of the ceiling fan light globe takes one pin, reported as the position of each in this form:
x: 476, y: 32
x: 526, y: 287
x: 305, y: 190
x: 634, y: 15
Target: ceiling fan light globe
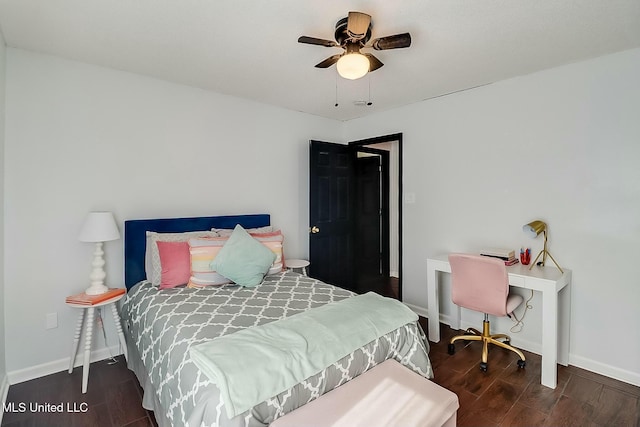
x: 353, y: 66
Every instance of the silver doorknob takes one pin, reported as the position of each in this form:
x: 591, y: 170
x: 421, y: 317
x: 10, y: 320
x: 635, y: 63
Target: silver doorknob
x: 314, y: 230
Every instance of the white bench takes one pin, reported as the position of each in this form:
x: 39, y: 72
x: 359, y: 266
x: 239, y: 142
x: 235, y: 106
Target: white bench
x: 388, y: 395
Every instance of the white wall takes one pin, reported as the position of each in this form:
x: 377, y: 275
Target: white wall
x: 81, y: 138
x: 3, y: 371
x: 562, y: 145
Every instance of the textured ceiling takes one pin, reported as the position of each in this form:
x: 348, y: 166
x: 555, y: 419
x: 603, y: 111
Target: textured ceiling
x: 249, y: 49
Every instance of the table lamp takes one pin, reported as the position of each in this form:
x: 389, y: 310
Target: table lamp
x: 534, y: 228
x: 98, y: 227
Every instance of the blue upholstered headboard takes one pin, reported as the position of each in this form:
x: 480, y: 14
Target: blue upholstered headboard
x: 135, y: 236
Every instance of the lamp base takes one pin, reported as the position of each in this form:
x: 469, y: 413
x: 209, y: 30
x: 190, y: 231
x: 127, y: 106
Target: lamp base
x: 545, y: 253
x: 96, y: 290
x: 97, y: 273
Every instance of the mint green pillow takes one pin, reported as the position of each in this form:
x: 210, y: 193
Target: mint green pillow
x: 243, y: 259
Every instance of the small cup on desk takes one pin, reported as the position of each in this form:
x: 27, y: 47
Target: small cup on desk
x: 525, y: 256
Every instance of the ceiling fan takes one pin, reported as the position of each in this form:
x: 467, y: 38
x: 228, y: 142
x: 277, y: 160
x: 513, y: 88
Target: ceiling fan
x: 352, y: 34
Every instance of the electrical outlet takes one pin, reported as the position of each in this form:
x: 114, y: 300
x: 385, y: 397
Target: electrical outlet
x: 51, y: 320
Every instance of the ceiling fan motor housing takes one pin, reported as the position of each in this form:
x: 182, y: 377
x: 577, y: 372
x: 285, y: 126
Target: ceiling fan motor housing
x: 342, y: 35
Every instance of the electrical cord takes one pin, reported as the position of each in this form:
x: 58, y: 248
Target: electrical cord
x: 519, y: 323
x: 112, y: 359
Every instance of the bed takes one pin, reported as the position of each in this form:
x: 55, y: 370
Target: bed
x: 162, y: 326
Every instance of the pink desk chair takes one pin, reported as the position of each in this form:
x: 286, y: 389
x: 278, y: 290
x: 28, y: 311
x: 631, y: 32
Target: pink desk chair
x: 481, y: 284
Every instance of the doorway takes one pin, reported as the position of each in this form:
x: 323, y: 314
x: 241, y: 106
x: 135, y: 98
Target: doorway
x: 371, y: 220
x: 343, y: 221
x: 392, y: 145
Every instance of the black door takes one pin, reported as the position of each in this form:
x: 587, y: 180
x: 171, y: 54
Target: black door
x: 331, y: 224
x: 371, y: 239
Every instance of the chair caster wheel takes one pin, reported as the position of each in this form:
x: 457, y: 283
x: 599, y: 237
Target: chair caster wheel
x: 451, y: 349
x: 522, y: 364
x: 483, y: 367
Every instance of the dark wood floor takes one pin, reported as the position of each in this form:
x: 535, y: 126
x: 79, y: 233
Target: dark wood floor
x: 503, y: 396
x: 390, y: 289
x: 113, y: 398
x: 508, y: 396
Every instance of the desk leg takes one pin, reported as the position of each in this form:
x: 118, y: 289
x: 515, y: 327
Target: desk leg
x: 433, y: 304
x: 550, y: 331
x: 565, y: 325
x: 76, y: 340
x: 116, y: 319
x: 87, y: 347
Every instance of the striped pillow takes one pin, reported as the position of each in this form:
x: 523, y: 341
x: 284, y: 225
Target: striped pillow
x: 202, y: 252
x: 274, y: 242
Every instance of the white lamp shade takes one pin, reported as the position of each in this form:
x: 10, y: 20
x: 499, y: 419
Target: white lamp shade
x: 99, y: 227
x: 353, y: 66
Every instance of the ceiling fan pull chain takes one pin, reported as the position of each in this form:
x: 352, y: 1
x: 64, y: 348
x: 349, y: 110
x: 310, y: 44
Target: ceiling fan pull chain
x: 336, y: 90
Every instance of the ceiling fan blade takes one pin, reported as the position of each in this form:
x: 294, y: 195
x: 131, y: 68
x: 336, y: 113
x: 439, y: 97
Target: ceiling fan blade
x: 316, y: 41
x: 392, y: 42
x: 358, y: 24
x: 374, y: 63
x: 329, y: 61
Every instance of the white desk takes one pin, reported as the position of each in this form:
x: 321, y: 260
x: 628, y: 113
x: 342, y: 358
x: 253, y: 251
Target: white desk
x: 556, y: 308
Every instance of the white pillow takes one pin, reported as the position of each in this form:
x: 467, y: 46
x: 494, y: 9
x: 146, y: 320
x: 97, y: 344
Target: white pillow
x: 152, y: 265
x: 226, y: 232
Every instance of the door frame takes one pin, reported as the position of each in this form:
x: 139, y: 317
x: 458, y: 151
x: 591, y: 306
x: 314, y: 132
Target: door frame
x: 379, y: 140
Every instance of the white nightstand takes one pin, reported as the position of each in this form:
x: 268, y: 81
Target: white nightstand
x: 87, y: 313
x: 297, y: 263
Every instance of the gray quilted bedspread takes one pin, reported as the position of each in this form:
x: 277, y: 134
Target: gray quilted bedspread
x: 164, y: 324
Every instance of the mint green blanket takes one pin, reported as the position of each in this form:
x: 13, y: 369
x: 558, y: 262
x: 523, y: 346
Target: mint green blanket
x: 254, y: 364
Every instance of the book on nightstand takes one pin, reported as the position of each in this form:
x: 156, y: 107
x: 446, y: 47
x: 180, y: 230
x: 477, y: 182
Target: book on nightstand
x: 84, y: 299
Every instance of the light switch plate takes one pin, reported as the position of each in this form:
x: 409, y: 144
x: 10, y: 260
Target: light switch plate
x: 52, y: 320
x: 409, y: 197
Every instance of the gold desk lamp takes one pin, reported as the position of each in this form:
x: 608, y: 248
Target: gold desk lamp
x: 534, y: 228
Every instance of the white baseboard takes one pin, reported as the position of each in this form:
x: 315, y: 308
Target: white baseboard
x: 418, y: 310
x: 606, y: 370
x: 534, y: 347
x: 4, y: 389
x: 394, y: 274
x: 26, y: 374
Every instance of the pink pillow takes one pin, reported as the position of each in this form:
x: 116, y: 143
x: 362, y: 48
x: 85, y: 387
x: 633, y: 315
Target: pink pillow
x: 175, y: 264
